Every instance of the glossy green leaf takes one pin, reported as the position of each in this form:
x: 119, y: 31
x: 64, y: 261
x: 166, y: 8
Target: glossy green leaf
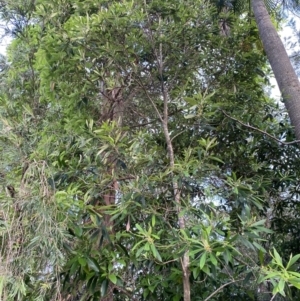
x: 112, y: 278
x: 202, y: 260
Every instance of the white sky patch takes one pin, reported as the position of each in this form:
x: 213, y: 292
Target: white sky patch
x: 285, y: 33
x: 4, y: 41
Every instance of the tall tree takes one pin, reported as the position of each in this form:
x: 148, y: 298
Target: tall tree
x: 285, y: 74
x: 167, y: 204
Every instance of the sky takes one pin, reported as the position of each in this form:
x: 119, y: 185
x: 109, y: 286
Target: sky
x: 285, y: 33
x: 3, y: 42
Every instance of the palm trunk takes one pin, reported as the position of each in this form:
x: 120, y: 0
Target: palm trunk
x: 285, y: 75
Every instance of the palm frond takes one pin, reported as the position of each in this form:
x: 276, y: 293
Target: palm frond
x: 292, y: 6
x: 241, y: 6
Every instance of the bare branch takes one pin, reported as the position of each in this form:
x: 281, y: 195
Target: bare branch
x: 151, y: 100
x: 220, y: 288
x: 259, y: 130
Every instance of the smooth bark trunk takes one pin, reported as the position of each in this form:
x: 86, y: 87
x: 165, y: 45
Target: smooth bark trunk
x: 185, y: 260
x: 285, y: 75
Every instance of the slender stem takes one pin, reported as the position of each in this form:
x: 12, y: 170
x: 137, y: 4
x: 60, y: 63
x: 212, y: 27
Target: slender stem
x: 185, y: 261
x: 163, y: 117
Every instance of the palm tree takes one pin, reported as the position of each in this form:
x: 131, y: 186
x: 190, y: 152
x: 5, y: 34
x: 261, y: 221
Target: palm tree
x: 285, y: 75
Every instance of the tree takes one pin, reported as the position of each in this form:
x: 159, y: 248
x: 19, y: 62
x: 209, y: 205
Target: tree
x: 123, y: 209
x: 285, y: 75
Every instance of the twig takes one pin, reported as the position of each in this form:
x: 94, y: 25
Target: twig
x: 221, y: 287
x: 124, y: 291
x: 260, y: 131
x: 151, y: 100
x: 129, y: 177
x: 177, y: 135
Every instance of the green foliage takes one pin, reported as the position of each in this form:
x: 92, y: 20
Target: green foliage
x: 281, y: 277
x: 94, y: 214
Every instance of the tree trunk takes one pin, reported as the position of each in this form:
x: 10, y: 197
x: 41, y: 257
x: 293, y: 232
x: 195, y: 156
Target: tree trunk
x: 185, y: 260
x: 285, y: 75
x: 112, y: 111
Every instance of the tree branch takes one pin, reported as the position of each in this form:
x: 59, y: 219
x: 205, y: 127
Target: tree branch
x: 260, y: 131
x: 124, y: 291
x: 150, y: 99
x: 221, y: 287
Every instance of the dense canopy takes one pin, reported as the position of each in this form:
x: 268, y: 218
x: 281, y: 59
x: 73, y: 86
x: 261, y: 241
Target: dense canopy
x: 142, y: 156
